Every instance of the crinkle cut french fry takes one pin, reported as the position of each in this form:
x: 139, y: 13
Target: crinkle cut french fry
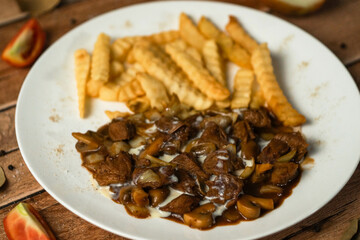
x: 109, y: 92
x: 213, y: 61
x: 100, y: 64
x: 93, y: 88
x: 257, y: 98
x: 129, y: 74
x: 139, y: 105
x: 229, y: 49
x: 82, y: 69
x: 239, y: 35
x: 274, y: 96
x: 116, y: 68
x: 164, y: 37
x: 121, y: 47
x: 223, y: 104
x: 116, y: 114
x: 130, y: 90
x: 193, y: 52
x: 154, y: 90
x: 160, y: 66
x: 189, y: 32
x: 242, y: 88
x: 199, y: 75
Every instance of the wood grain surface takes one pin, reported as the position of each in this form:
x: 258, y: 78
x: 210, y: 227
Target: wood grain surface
x: 336, y: 25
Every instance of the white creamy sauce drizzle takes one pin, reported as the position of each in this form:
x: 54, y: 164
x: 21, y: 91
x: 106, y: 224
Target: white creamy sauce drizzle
x: 262, y: 143
x: 136, y: 150
x: 151, y: 129
x: 201, y: 158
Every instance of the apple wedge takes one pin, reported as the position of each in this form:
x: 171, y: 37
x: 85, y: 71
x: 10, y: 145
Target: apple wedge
x: 24, y: 223
x: 294, y: 7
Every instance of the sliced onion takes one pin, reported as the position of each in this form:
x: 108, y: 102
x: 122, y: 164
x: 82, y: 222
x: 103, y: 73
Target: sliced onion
x: 287, y: 157
x: 117, y: 147
x: 270, y: 189
x: 248, y: 170
x: 94, y: 158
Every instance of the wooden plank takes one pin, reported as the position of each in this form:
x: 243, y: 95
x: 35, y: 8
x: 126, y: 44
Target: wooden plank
x: 11, y: 79
x: 63, y: 223
x: 331, y: 221
x: 337, y: 26
x: 7, y: 130
x: 20, y: 183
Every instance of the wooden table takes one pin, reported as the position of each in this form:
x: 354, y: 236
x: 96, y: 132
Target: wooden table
x: 337, y: 25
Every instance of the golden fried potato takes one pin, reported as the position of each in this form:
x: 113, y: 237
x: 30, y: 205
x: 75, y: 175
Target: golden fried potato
x: 274, y: 96
x: 93, y: 88
x: 100, y: 64
x: 223, y: 104
x: 139, y: 105
x: 159, y: 65
x: 257, y: 97
x: 82, y: 69
x: 109, y: 92
x: 199, y: 75
x: 230, y: 50
x: 154, y: 90
x: 164, y: 37
x: 193, y: 52
x: 189, y: 32
x: 208, y: 29
x: 130, y: 90
x: 238, y: 34
x: 116, y: 68
x: 213, y: 61
x: 117, y: 114
x: 130, y: 57
x: 129, y: 74
x: 121, y: 47
x: 242, y: 88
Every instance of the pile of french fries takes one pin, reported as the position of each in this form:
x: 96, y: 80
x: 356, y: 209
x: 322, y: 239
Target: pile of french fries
x: 144, y: 71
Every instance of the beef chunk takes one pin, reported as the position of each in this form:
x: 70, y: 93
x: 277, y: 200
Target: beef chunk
x: 243, y: 131
x: 284, y: 172
x: 214, y: 134
x: 272, y: 151
x: 166, y: 174
x: 112, y: 169
x: 249, y: 149
x: 224, y: 187
x: 176, y: 140
x: 257, y: 117
x: 182, y: 204
x: 168, y: 124
x: 121, y: 130
x: 218, y: 162
x: 295, y: 141
x: 185, y: 183
x: 187, y: 162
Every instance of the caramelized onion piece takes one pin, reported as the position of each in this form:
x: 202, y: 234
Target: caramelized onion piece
x: 137, y: 141
x: 267, y: 136
x: 148, y: 176
x: 264, y: 203
x: 287, y: 157
x: 137, y: 211
x: 116, y: 147
x: 156, y: 162
x: 247, y: 209
x: 248, y: 170
x: 94, y: 158
x: 157, y: 196
x: 86, y: 138
x: 139, y: 197
x: 200, y: 217
x: 270, y: 189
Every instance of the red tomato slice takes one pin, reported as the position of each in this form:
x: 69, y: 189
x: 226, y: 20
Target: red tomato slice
x: 26, y: 46
x: 24, y: 223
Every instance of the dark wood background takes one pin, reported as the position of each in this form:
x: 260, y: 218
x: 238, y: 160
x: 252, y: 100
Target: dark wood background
x: 337, y: 25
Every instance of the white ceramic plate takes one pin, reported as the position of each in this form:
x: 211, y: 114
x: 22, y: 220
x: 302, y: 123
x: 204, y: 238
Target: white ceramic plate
x: 312, y: 77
